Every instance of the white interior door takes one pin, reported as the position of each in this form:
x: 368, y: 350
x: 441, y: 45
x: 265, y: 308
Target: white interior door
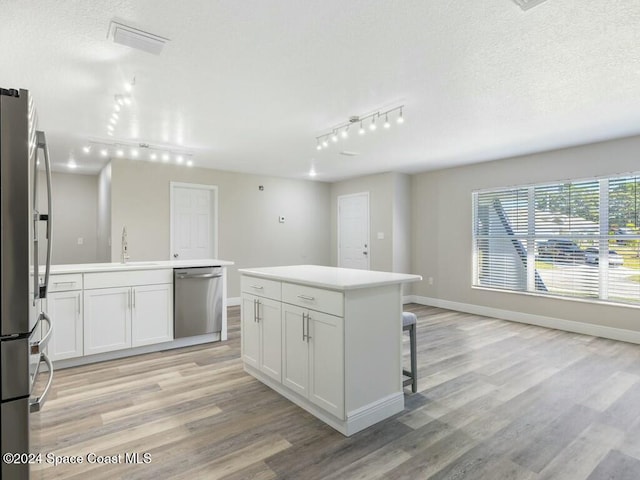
x: 353, y: 231
x: 193, y: 224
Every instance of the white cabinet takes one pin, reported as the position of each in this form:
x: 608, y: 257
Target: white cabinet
x: 262, y: 334
x: 129, y: 313
x: 341, y: 347
x: 65, y: 311
x: 312, y: 352
x: 64, y: 307
x: 107, y: 319
x: 151, y: 314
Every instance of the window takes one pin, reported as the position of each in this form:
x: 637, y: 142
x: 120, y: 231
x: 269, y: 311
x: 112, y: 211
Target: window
x: 574, y: 239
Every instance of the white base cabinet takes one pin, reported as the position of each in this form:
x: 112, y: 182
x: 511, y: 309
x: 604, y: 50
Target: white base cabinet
x: 340, y: 351
x: 152, y: 314
x: 65, y: 311
x: 313, y: 362
x: 127, y: 309
x: 261, y: 335
x: 107, y: 319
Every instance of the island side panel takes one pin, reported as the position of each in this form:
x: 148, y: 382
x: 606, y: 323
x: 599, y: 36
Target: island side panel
x: 373, y: 346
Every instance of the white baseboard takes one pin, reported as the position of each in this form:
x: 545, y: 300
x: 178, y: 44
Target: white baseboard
x: 129, y: 352
x: 542, y: 321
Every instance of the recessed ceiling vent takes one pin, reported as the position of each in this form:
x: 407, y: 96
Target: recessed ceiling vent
x: 136, y: 38
x: 527, y: 4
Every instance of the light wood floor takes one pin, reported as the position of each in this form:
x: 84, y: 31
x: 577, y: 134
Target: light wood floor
x: 496, y: 400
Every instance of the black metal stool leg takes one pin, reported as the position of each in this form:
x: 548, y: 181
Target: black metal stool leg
x: 414, y: 360
x: 413, y: 373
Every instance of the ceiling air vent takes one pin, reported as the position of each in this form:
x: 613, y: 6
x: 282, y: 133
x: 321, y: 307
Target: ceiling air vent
x: 527, y: 4
x: 136, y: 38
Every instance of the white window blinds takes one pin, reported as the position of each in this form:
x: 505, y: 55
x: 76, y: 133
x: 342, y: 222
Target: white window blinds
x: 576, y: 239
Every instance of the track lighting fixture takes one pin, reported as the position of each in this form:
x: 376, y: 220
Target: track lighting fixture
x: 137, y: 150
x: 342, y: 130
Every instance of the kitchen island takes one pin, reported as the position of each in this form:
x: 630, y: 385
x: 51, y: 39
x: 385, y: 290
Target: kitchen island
x: 328, y: 339
x: 103, y: 311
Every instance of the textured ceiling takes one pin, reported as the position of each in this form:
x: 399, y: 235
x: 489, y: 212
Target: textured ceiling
x: 248, y: 85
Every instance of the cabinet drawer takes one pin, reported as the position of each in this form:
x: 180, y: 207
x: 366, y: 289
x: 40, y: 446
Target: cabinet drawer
x: 319, y: 299
x: 261, y: 287
x: 66, y: 282
x: 127, y: 279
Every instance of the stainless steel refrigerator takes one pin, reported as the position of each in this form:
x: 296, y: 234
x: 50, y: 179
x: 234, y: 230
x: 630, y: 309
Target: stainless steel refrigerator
x: 25, y: 327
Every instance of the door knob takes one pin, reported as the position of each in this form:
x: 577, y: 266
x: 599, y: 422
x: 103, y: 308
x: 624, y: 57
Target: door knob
x: 175, y: 255
x: 365, y: 253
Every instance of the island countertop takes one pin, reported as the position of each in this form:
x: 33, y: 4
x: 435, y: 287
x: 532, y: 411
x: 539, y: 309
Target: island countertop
x: 150, y: 265
x: 333, y: 278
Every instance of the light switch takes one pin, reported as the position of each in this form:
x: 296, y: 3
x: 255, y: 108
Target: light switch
x: 80, y: 241
x: 380, y: 235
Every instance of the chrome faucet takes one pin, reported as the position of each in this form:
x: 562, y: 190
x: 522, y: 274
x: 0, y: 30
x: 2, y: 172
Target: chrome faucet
x: 124, y: 251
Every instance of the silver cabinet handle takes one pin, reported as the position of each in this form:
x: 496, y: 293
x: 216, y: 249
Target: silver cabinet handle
x: 78, y: 305
x: 64, y: 283
x: 257, y: 287
x: 134, y: 298
x: 255, y: 315
x: 36, y: 404
x: 304, y: 317
x: 38, y: 347
x: 306, y: 297
x: 257, y: 310
x: 129, y: 298
x: 308, y: 319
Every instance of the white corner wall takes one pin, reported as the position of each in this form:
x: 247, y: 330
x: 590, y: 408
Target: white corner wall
x: 442, y: 243
x: 389, y: 214
x: 74, y: 214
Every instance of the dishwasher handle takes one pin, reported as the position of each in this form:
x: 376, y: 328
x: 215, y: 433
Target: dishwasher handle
x: 200, y: 275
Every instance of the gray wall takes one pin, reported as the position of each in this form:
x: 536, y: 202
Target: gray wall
x: 389, y: 207
x: 104, y: 215
x: 249, y: 231
x: 441, y: 227
x: 75, y: 204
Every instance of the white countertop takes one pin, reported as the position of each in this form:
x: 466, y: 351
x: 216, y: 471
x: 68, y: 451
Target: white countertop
x: 330, y: 277
x: 150, y: 265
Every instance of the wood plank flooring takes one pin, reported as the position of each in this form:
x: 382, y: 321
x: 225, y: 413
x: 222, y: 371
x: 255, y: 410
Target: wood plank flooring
x: 497, y: 400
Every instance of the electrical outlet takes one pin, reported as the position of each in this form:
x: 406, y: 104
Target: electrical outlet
x: 380, y: 235
x: 80, y: 241
x: 430, y: 281
x: 281, y: 219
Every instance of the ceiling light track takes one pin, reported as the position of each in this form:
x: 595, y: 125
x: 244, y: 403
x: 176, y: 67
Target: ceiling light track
x: 370, y: 119
x: 140, y: 150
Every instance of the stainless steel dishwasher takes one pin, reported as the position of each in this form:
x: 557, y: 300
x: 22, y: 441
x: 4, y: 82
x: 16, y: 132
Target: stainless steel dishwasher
x: 197, y: 301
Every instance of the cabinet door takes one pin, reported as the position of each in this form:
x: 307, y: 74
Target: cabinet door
x: 107, y: 319
x: 65, y: 311
x: 295, y: 350
x: 270, y: 320
x: 151, y: 314
x: 326, y: 362
x: 250, y: 331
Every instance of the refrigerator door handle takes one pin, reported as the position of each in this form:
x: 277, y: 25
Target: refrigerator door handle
x: 36, y: 404
x: 42, y: 144
x: 38, y: 347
